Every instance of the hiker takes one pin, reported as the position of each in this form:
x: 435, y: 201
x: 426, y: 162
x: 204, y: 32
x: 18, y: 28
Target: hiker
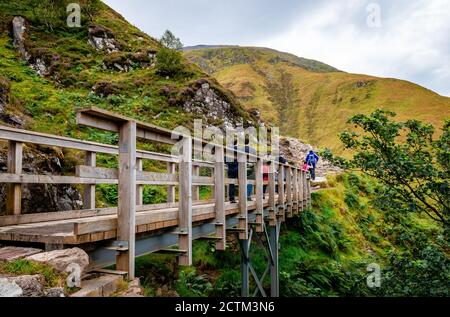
x: 266, y: 171
x: 312, y: 159
x: 232, y: 172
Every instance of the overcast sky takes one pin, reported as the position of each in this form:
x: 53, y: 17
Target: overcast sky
x: 406, y: 39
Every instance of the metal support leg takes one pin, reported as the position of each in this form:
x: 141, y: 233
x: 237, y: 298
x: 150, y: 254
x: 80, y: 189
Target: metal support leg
x: 244, y: 267
x: 274, y: 275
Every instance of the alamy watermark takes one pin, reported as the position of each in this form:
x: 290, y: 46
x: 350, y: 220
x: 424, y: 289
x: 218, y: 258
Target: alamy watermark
x: 374, y: 278
x: 74, y: 15
x: 374, y: 18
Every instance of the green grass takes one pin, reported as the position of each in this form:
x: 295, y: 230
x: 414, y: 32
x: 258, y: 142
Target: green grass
x: 25, y: 267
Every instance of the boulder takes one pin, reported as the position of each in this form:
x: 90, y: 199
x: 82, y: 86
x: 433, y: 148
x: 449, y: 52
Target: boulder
x: 9, y: 254
x: 9, y: 288
x: 54, y: 292
x: 31, y: 285
x: 61, y: 259
x: 102, y: 39
x: 19, y: 29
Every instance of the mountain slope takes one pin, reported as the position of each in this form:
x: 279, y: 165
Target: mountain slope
x: 311, y: 100
x: 106, y: 62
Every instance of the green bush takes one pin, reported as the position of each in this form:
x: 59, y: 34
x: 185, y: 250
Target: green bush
x: 169, y: 62
x: 189, y: 284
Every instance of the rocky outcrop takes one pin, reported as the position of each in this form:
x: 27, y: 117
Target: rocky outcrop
x: 38, y: 60
x: 295, y: 151
x: 61, y: 259
x: 39, y: 197
x: 125, y: 62
x: 102, y: 39
x: 206, y: 102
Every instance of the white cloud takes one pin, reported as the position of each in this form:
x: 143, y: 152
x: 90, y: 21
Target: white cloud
x: 412, y: 44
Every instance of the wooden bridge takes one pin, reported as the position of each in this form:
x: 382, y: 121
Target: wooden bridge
x: 117, y: 235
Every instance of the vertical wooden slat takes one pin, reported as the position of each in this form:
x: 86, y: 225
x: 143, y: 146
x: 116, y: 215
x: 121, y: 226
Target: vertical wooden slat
x: 300, y: 190
x: 281, y: 193
x: 259, y: 183
x: 89, y: 190
x: 171, y: 169
x: 242, y: 177
x: 295, y: 189
x: 289, y: 191
x: 185, y: 208
x: 14, y: 166
x: 219, y: 198
x: 308, y: 186
x: 139, y: 188
x: 127, y: 197
x: 272, y: 202
x: 195, y: 188
x: 305, y: 189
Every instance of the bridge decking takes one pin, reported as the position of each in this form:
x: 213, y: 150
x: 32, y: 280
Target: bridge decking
x: 101, y: 224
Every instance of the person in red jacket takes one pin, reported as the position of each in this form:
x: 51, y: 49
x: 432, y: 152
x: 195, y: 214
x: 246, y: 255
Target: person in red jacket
x: 266, y: 169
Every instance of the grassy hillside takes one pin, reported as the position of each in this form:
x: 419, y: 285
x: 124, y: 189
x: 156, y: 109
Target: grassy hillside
x: 310, y: 100
x: 325, y: 251
x: 79, y: 75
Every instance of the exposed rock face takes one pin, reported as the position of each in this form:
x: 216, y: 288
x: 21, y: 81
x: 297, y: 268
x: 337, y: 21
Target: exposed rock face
x: 42, y: 198
x: 102, y: 39
x: 61, y: 259
x: 19, y: 28
x: 124, y: 62
x: 36, y: 61
x: 296, y: 151
x: 208, y: 103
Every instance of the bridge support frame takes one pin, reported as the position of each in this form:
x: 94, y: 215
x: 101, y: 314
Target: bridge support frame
x: 268, y: 240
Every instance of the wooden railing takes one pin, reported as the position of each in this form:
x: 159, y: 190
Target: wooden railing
x: 288, y: 193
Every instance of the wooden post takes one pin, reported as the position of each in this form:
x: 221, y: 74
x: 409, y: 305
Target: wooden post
x: 289, y: 191
x: 242, y: 177
x: 272, y: 203
x: 196, y: 188
x: 308, y: 186
x: 259, y: 181
x: 139, y: 188
x: 295, y: 189
x: 300, y: 190
x: 14, y: 191
x: 281, y: 195
x: 89, y: 190
x: 171, y: 169
x: 127, y: 197
x: 185, y: 208
x: 219, y: 198
x: 305, y: 189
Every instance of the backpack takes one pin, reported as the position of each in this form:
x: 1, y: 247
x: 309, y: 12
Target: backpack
x: 310, y: 159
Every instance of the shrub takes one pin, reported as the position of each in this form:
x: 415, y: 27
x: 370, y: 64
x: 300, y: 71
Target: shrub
x: 168, y: 62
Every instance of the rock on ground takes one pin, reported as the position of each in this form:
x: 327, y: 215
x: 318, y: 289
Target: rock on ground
x: 9, y: 288
x: 15, y: 253
x: 22, y: 286
x: 296, y: 151
x: 61, y: 259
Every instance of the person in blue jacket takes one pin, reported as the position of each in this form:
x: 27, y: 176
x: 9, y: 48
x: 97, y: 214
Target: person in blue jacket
x: 312, y: 159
